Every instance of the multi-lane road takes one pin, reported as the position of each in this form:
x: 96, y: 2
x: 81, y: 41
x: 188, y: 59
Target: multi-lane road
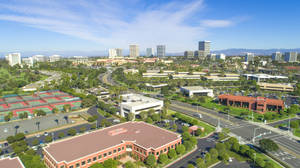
x: 245, y: 130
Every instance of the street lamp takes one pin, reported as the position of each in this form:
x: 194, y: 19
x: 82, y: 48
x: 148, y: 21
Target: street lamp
x: 253, y: 139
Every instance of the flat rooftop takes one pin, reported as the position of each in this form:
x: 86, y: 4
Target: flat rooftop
x: 194, y: 88
x: 11, y: 163
x: 133, y: 99
x: 141, y: 133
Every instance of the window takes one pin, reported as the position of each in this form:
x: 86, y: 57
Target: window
x: 109, y: 153
x: 89, y: 161
x: 144, y: 153
x: 165, y: 149
x: 95, y: 158
x: 123, y: 148
x: 119, y: 149
x: 100, y: 156
x: 157, y: 153
x: 172, y: 146
x: 115, y: 151
x: 105, y: 154
x: 77, y: 164
x: 168, y: 148
x: 149, y: 153
x: 83, y: 163
x: 161, y: 152
x: 71, y: 166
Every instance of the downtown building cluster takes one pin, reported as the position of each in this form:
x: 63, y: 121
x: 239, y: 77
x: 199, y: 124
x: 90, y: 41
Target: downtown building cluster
x: 16, y: 59
x: 134, y: 52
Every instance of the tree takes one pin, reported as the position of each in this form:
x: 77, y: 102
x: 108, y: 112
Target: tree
x: 35, y: 142
x: 151, y: 161
x: 82, y: 129
x: 214, y: 153
x: 155, y: 117
x: 294, y: 124
x: 72, y: 132
x: 198, y: 132
x: 93, y: 126
x: 224, y: 157
x: 48, y: 138
x: 243, y: 149
x: 190, y: 166
x: 200, y: 163
x: 188, y: 145
x: 61, y: 135
x: 174, y: 127
x: 185, y: 128
x: 55, y: 110
x: 143, y: 115
x: 10, y: 139
x: 269, y: 165
x: 149, y: 120
x: 163, y: 158
x: 129, y: 164
x: 235, y: 147
x: 7, y: 118
x: 268, y: 145
x: 172, y: 153
x: 260, y: 162
x: 110, y: 163
x: 180, y: 149
x: 67, y: 108
x: 97, y: 165
x: 19, y: 136
x: 130, y: 116
x: 207, y: 158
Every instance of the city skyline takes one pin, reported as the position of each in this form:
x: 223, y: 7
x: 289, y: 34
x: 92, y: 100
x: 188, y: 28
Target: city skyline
x: 26, y: 24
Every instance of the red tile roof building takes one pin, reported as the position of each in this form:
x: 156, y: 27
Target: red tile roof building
x: 11, y: 163
x: 138, y: 138
x: 258, y: 104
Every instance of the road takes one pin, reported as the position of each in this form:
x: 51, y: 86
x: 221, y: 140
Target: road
x: 203, y: 146
x: 244, y: 129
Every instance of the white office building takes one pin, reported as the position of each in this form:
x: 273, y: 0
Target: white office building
x: 189, y: 54
x: 290, y: 56
x: 136, y: 103
x: 161, y: 51
x: 39, y: 58
x: 134, y: 51
x: 249, y: 57
x: 191, y: 91
x: 263, y: 77
x: 13, y: 58
x: 112, y: 53
x: 54, y: 58
x: 150, y: 52
x: 220, y: 56
x: 119, y: 52
x: 28, y: 61
x: 277, y: 56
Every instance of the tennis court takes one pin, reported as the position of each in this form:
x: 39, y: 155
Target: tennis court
x: 52, y: 99
x: 76, y: 105
x: 28, y: 97
x: 16, y: 105
x: 36, y: 102
x: 66, y: 97
x: 10, y: 99
x: 57, y: 93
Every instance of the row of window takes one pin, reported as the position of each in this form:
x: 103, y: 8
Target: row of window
x: 95, y: 158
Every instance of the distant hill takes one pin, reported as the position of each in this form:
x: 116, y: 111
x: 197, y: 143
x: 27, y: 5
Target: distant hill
x: 242, y: 51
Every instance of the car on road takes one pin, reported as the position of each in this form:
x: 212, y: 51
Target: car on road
x: 46, y: 134
x: 185, y: 124
x: 38, y: 135
x: 198, y: 115
x: 230, y: 159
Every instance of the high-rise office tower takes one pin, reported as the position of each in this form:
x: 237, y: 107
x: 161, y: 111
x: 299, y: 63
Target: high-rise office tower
x: 134, y: 51
x: 28, y: 61
x: 149, y: 52
x: 119, y: 52
x: 290, y: 56
x: 13, y: 58
x: 276, y: 56
x: 161, y: 51
x: 112, y: 53
x: 249, y: 57
x: 189, y: 54
x: 203, y: 49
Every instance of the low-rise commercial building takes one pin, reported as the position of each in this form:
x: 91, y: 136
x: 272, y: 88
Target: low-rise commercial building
x: 263, y: 77
x: 136, y: 103
x: 11, y: 163
x: 157, y: 86
x: 222, y: 78
x: 258, y: 104
x: 186, y: 76
x: 196, y: 90
x: 155, y: 75
x: 54, y: 58
x: 138, y: 138
x: 276, y: 86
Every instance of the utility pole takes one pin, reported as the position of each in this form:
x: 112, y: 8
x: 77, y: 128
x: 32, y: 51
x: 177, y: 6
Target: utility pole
x: 253, y: 139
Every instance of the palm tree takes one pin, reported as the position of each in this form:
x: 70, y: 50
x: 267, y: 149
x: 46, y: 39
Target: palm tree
x: 17, y: 127
x: 57, y: 122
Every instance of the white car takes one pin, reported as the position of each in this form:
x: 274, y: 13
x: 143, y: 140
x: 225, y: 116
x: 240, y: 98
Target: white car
x: 46, y: 134
x: 230, y: 159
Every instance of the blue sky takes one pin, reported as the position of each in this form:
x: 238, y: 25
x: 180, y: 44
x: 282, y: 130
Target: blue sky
x: 86, y: 25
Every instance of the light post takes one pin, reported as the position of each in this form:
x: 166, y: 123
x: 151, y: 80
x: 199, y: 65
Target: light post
x: 289, y: 125
x: 253, y: 139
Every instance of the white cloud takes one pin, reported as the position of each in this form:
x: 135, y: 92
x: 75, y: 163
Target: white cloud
x: 216, y: 23
x: 115, y: 23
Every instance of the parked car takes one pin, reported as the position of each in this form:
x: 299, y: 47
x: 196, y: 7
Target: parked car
x: 46, y: 134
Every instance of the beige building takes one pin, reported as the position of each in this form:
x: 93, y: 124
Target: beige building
x: 134, y: 51
x: 276, y: 86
